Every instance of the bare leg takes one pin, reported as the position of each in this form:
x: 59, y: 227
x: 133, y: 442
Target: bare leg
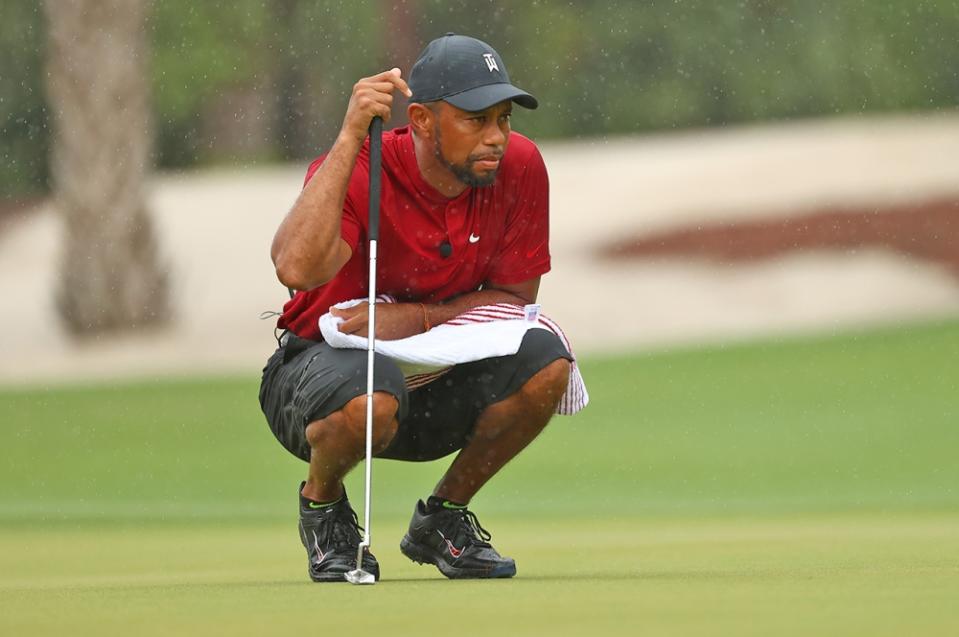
x: 338, y: 443
x: 502, y: 431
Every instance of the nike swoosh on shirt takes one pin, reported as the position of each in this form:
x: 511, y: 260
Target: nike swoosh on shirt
x: 473, y: 238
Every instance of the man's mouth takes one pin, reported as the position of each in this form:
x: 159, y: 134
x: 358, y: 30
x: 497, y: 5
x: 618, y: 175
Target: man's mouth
x: 487, y: 162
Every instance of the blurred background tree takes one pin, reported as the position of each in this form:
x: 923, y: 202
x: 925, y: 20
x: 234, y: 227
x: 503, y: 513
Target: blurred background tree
x: 99, y: 100
x: 252, y: 81
x: 24, y: 137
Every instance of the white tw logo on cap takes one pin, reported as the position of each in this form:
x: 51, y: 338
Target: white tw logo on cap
x: 490, y: 62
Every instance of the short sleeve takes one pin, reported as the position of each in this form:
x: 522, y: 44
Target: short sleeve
x: 350, y: 227
x: 524, y: 251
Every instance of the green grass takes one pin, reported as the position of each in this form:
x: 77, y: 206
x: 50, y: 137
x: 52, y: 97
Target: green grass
x: 796, y: 487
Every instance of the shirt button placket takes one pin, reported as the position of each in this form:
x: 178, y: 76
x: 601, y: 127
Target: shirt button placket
x: 455, y: 220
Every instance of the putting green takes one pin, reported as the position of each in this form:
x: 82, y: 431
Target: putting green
x: 842, y: 575
x: 795, y: 487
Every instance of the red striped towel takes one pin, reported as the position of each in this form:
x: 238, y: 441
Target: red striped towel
x: 482, y: 332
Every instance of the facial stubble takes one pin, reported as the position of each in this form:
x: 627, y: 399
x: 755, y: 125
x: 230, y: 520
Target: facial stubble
x: 463, y: 172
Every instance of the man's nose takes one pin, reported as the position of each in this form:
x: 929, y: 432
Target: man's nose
x: 494, y: 135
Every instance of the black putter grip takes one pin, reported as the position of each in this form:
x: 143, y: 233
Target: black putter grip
x: 376, y: 156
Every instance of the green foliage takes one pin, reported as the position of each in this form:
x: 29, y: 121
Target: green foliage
x: 200, y: 49
x: 24, y: 138
x: 277, y: 75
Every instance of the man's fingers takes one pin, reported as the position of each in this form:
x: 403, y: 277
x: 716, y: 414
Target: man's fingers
x: 376, y: 96
x: 353, y: 324
x: 382, y: 87
x: 373, y: 97
x: 400, y: 83
x: 389, y: 87
x: 393, y: 77
x: 383, y: 76
x: 348, y: 312
x: 375, y: 103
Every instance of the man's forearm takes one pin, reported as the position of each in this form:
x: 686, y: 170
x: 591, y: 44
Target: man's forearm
x: 441, y: 312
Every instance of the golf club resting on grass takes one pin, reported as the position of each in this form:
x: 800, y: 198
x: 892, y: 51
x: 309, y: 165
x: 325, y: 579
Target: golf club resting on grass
x: 448, y: 257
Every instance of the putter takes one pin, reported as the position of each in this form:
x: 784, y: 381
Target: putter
x: 358, y: 575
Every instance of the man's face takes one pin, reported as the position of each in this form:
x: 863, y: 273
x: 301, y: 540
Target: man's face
x: 471, y: 143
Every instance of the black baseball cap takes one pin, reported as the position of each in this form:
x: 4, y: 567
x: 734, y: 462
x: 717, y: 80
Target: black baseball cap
x: 465, y: 72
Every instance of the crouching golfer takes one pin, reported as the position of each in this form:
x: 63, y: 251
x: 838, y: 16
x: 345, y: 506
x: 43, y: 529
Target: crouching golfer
x: 464, y: 223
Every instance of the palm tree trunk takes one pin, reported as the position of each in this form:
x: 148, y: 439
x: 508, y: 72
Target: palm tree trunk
x: 110, y: 278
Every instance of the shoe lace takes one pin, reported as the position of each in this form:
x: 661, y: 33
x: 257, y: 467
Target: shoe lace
x: 347, y: 531
x: 473, y: 531
x: 342, y: 530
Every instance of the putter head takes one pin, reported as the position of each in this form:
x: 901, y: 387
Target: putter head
x: 359, y: 576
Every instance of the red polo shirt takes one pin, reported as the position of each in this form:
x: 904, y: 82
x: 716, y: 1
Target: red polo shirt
x: 498, y: 233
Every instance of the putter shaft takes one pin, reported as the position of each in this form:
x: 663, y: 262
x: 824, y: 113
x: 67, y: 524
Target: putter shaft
x: 359, y: 576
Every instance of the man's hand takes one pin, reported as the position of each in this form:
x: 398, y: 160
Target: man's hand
x: 372, y: 97
x: 400, y: 320
x: 393, y: 320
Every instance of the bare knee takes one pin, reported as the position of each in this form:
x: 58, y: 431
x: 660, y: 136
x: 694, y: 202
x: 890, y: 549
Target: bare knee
x: 545, y: 388
x: 551, y: 381
x: 348, y: 425
x: 530, y: 407
x: 385, y: 407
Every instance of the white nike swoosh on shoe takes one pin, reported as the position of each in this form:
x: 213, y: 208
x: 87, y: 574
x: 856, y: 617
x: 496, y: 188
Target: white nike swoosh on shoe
x: 316, y: 545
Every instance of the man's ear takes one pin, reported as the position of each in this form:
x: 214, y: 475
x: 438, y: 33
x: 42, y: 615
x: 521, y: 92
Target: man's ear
x: 422, y: 118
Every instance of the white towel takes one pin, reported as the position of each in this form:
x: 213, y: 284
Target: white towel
x: 484, y: 332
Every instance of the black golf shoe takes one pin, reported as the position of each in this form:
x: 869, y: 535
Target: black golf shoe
x: 331, y: 536
x: 453, y: 540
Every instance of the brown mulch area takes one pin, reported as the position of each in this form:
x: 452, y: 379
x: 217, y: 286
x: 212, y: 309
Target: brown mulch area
x: 926, y: 230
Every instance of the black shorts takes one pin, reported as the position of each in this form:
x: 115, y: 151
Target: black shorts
x: 306, y: 381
